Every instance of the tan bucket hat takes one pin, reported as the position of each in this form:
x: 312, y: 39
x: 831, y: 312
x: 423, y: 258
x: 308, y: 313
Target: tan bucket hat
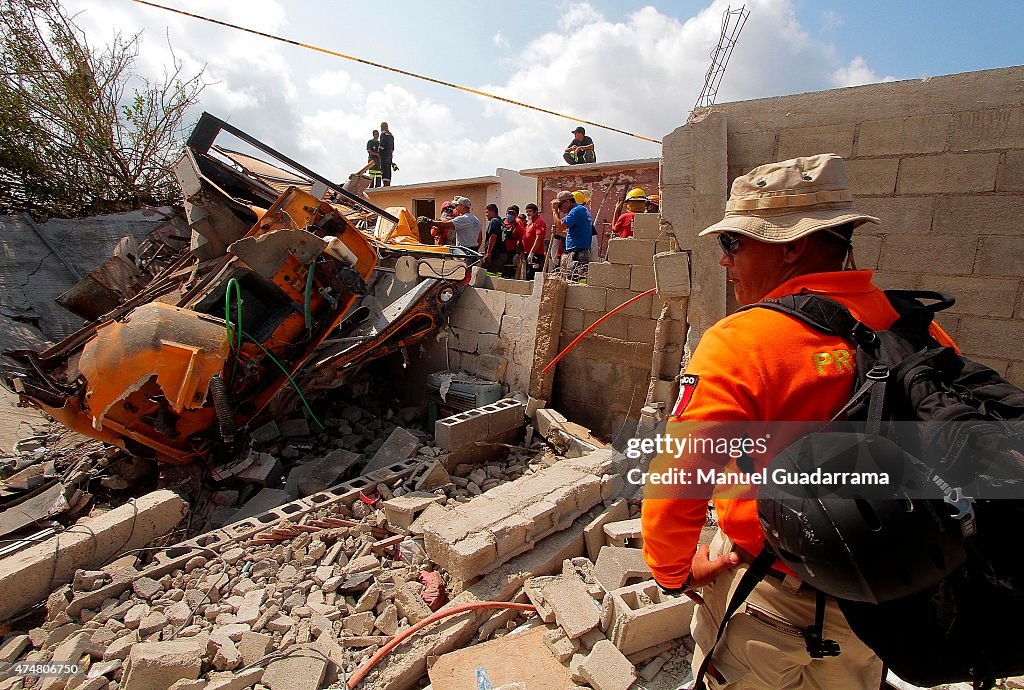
x: 782, y: 202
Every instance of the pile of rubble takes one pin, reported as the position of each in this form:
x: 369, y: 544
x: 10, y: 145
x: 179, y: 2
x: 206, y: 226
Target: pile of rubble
x: 304, y: 594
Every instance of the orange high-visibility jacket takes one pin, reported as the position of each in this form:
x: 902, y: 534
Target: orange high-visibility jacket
x: 758, y: 365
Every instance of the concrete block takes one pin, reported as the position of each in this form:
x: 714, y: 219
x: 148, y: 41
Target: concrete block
x: 534, y: 590
x: 672, y: 274
x: 254, y: 646
x: 409, y: 603
x: 924, y: 134
x: 999, y: 128
x: 573, y: 321
x: 476, y: 537
x: 899, y: 215
x: 399, y: 446
x: 1010, y: 177
x: 401, y: 511
x: 576, y: 612
x: 617, y: 566
x: 460, y: 430
x: 608, y: 275
x: 641, y: 307
x: 872, y: 175
x: 594, y: 534
x: 321, y: 473
x: 561, y: 646
x: 644, y: 617
x: 1000, y: 339
x: 967, y: 216
x: 264, y: 470
x: 1000, y: 256
x: 295, y: 673
x: 464, y: 340
x: 641, y: 278
x: 156, y: 665
x: 809, y: 141
x: 624, y: 533
x: 586, y: 297
x: 485, y: 366
x: 291, y: 428
x: 29, y: 576
x: 647, y: 226
x: 548, y: 419
x: 236, y: 681
x: 929, y: 254
x: 630, y: 250
x: 978, y: 296
x: 266, y: 499
x: 958, y: 173
x: 606, y: 668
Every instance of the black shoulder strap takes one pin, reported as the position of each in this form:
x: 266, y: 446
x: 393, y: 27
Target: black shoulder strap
x: 755, y: 573
x: 817, y: 646
x: 818, y: 312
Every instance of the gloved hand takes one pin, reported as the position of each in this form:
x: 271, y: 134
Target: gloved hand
x: 529, y: 258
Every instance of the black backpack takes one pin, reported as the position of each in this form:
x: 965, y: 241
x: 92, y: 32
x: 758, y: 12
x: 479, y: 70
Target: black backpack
x: 968, y: 626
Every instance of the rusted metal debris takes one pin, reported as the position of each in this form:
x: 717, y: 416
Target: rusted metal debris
x: 260, y: 312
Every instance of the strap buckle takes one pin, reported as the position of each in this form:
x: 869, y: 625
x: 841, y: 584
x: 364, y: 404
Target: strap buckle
x: 817, y: 647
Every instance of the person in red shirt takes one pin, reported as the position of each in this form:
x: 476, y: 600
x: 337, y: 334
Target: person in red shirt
x: 622, y: 221
x: 512, y: 231
x: 534, y: 240
x: 787, y: 229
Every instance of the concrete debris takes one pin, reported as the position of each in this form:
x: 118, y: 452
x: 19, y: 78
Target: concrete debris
x: 28, y: 576
x: 606, y: 668
x: 400, y: 445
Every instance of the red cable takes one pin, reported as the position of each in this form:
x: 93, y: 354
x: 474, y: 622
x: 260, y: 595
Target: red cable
x: 365, y: 669
x: 594, y: 325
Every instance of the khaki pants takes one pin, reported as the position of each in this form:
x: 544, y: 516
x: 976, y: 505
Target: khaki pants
x: 762, y: 648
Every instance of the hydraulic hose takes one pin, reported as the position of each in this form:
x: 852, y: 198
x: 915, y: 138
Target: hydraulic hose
x: 365, y: 669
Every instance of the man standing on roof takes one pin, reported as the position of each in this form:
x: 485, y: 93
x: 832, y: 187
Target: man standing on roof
x: 387, y: 152
x: 373, y: 153
x: 574, y: 222
x: 580, y: 149
x: 787, y: 229
x: 465, y: 224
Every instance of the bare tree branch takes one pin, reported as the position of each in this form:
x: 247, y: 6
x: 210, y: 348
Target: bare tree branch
x: 83, y: 132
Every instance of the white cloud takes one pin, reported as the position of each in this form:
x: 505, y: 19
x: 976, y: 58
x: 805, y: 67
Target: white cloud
x: 857, y: 73
x: 830, y: 19
x: 640, y: 72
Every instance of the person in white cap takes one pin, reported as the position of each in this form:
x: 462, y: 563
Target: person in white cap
x: 787, y: 229
x: 466, y: 225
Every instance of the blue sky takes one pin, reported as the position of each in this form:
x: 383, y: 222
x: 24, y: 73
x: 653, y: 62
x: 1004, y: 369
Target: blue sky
x: 636, y: 66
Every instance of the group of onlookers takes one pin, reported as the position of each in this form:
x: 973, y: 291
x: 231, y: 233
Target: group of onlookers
x: 517, y: 245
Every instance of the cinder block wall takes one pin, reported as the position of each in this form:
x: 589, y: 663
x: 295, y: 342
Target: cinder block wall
x: 941, y: 162
x: 603, y: 382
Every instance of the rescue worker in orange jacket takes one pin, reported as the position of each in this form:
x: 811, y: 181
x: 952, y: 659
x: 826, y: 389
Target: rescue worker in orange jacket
x: 787, y: 229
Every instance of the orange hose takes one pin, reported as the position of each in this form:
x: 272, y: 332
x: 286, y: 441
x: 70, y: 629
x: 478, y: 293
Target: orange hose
x: 594, y: 325
x: 365, y: 669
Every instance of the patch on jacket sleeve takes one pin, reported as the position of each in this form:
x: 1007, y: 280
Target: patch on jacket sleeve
x: 687, y: 385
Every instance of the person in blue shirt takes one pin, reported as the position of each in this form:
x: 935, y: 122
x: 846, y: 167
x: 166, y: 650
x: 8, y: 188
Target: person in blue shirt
x: 574, y: 222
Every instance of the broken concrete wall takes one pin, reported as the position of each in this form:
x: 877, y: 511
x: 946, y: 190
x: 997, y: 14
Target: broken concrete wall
x: 603, y: 383
x: 493, y: 333
x: 940, y: 161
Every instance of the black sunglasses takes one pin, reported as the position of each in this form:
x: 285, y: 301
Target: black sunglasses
x: 729, y: 242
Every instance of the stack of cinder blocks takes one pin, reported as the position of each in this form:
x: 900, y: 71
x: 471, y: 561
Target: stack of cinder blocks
x: 476, y: 537
x: 496, y: 423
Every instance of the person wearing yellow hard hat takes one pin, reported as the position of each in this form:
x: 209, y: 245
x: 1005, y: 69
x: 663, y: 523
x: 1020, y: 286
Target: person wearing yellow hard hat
x: 582, y: 196
x: 635, y: 202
